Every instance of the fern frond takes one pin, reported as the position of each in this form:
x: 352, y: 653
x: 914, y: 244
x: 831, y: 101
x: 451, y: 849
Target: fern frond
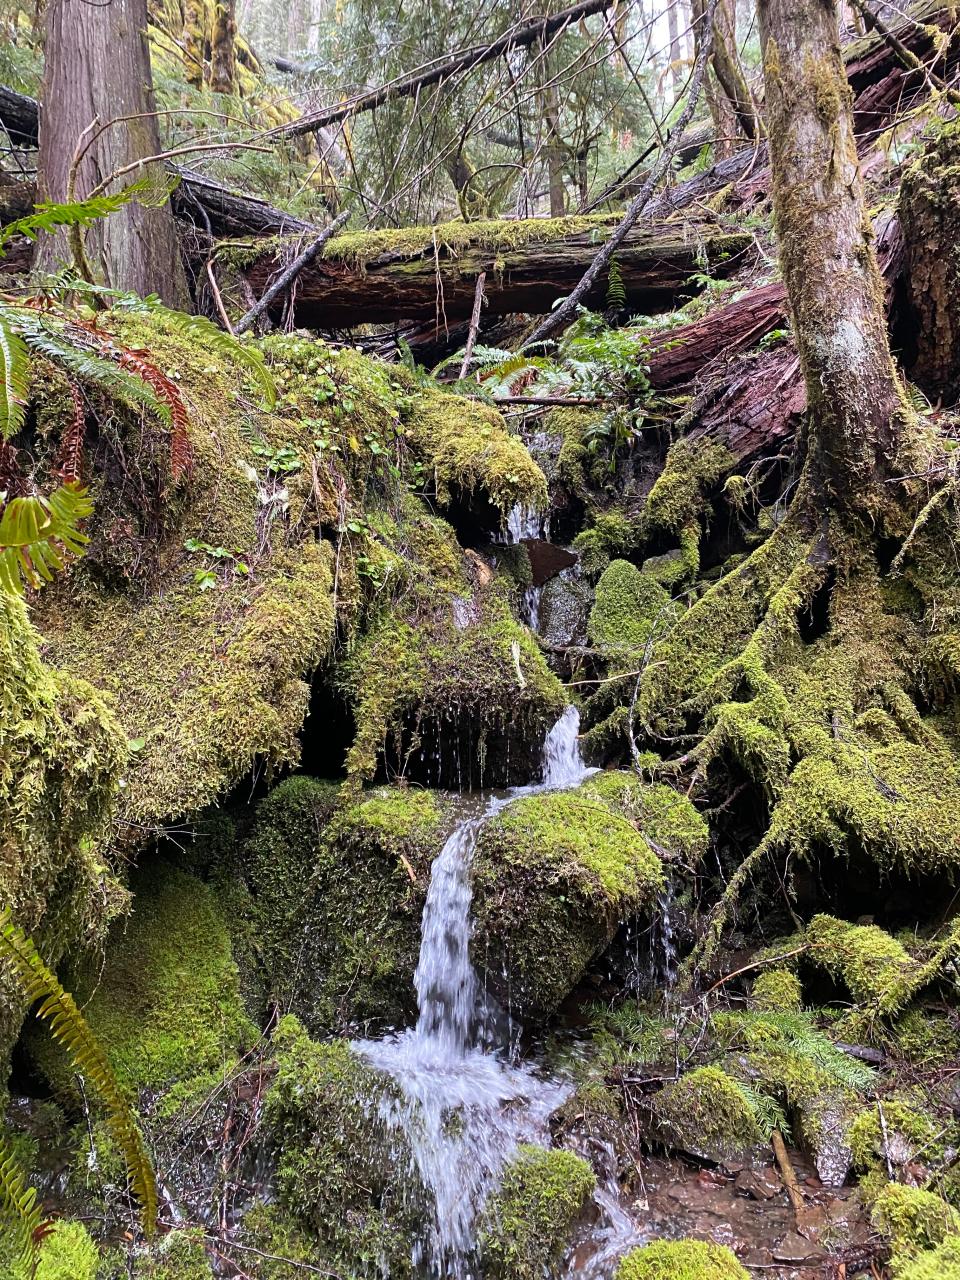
x: 14, y: 375
x: 70, y: 455
x: 48, y: 216
x: 167, y: 391
x: 616, y: 293
x: 767, y: 1111
x: 38, y: 535
x: 20, y: 1209
x: 69, y: 1028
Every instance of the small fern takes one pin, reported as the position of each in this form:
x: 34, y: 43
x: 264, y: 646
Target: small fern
x: 69, y: 1028
x: 616, y: 293
x: 14, y: 377
x: 39, y: 535
x: 766, y: 1109
x: 20, y: 1209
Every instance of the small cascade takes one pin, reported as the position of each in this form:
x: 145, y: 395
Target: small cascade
x: 664, y: 943
x: 462, y: 1106
x: 524, y: 522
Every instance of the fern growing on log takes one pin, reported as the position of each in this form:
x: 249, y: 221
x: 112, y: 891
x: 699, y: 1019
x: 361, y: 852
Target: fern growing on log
x: 69, y: 1028
x: 20, y: 1209
x: 38, y: 535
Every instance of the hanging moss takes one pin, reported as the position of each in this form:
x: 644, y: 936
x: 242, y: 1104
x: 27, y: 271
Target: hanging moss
x: 325, y: 878
x: 527, y: 1223
x: 681, y: 1260
x: 553, y: 875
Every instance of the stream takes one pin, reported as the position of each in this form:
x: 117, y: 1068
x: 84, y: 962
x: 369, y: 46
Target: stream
x: 462, y: 1104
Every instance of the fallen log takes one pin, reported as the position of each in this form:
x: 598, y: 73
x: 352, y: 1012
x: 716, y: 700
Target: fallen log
x: 529, y: 265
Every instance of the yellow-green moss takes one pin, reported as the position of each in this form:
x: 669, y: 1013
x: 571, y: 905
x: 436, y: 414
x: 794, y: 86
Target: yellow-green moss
x: 903, y: 1131
x: 912, y: 1219
x: 681, y: 1260
x: 528, y: 1220
x: 777, y: 989
x: 68, y: 1253
x: 627, y: 605
x: 553, y: 875
x: 705, y: 1111
x: 667, y: 819
x: 874, y: 966
x: 942, y: 1263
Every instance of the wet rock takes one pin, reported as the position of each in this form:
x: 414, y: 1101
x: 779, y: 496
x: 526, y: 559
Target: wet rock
x: 565, y: 603
x: 793, y: 1248
x: 547, y: 560
x: 825, y: 1122
x: 758, y: 1184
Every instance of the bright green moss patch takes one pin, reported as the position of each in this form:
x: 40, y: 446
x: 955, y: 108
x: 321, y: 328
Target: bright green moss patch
x: 681, y: 1260
x: 873, y: 965
x: 330, y: 926
x: 660, y: 813
x: 903, y: 1131
x: 553, y: 875
x: 627, y: 605
x: 706, y: 1112
x: 777, y: 990
x: 912, y: 1219
x: 68, y: 1253
x: 942, y: 1263
x: 528, y: 1220
x: 165, y: 1004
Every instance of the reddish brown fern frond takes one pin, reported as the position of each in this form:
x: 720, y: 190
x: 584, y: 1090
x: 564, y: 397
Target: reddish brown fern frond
x: 70, y: 455
x: 181, y: 450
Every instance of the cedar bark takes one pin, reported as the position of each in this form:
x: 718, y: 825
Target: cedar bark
x: 826, y: 252
x: 98, y: 67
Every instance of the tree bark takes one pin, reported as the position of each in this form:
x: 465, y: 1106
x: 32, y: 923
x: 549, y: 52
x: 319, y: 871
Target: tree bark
x: 98, y: 67
x: 826, y: 252
x: 223, y: 47
x: 195, y: 42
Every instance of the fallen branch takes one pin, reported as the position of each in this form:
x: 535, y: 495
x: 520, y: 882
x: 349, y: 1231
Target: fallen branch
x: 287, y: 277
x: 787, y: 1172
x: 474, y: 324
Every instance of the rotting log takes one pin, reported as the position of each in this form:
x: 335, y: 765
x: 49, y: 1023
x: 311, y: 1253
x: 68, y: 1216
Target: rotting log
x: 437, y: 282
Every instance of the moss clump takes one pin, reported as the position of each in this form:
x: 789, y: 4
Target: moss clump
x: 326, y: 877
x: 553, y: 875
x: 68, y: 1253
x: 344, y: 1179
x: 527, y: 1222
x: 681, y: 1260
x: 165, y: 1003
x: 626, y: 607
x: 874, y: 966
x: 942, y: 1263
x: 612, y: 533
x: 666, y: 819
x: 706, y: 1113
x: 61, y: 753
x: 777, y: 990
x: 677, y: 500
x: 912, y: 1219
x: 903, y: 1131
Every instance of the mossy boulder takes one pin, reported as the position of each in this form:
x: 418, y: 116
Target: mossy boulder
x: 897, y: 1136
x: 777, y: 990
x: 345, y: 1179
x: 681, y: 1260
x: 942, y: 1263
x: 553, y: 876
x: 666, y: 819
x: 707, y: 1114
x: 330, y: 924
x: 912, y: 1219
x: 165, y: 1000
x: 626, y: 607
x: 527, y: 1222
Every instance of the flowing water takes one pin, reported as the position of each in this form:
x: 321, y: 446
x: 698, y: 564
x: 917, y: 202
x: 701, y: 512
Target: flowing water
x: 462, y: 1105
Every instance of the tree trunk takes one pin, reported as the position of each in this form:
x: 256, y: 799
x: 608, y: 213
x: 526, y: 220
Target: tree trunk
x: 98, y: 67
x: 223, y: 47
x: 727, y: 92
x: 826, y: 252
x: 195, y: 42
x: 676, y: 54
x: 930, y: 214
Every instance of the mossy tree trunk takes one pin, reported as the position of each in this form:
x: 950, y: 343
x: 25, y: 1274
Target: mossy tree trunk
x: 223, y: 46
x: 98, y: 68
x: 930, y: 216
x: 826, y: 252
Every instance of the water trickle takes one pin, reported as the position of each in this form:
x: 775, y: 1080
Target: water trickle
x: 524, y: 522
x: 462, y: 1106
x: 664, y: 944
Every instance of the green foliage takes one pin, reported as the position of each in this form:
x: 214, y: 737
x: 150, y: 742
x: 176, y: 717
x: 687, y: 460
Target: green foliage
x: 912, y: 1219
x: 49, y: 216
x: 681, y: 1260
x: 528, y: 1219
x: 14, y: 377
x: 68, y: 1253
x: 69, y: 1028
x: 21, y: 1212
x: 38, y: 535
x: 942, y: 1263
x: 777, y: 990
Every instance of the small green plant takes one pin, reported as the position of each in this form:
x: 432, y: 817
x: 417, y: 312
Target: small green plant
x: 21, y: 1210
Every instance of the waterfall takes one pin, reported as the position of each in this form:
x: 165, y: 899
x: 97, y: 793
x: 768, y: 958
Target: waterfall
x: 463, y: 1107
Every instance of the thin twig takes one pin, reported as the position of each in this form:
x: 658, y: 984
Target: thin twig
x: 474, y: 324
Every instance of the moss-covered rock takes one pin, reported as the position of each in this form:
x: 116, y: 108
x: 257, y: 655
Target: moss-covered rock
x: 681, y: 1260
x: 342, y: 1177
x: 942, y: 1263
x: 165, y: 1001
x: 553, y: 876
x: 527, y: 1222
x: 777, y: 989
x: 177, y: 1255
x: 706, y: 1113
x: 912, y: 1219
x: 663, y: 816
x: 896, y: 1137
x: 331, y: 924
x: 627, y: 605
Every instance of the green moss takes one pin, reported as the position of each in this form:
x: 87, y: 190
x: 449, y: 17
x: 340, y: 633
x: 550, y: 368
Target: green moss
x: 343, y: 1181
x: 326, y: 875
x: 873, y: 965
x: 678, y: 497
x: 627, y: 605
x: 659, y: 812
x: 68, y: 1253
x: 178, y: 1256
x: 903, y: 1131
x: 610, y: 534
x: 942, y: 1263
x: 165, y: 1002
x: 681, y: 1260
x: 912, y: 1219
x: 706, y: 1112
x: 528, y: 1220
x: 777, y: 989
x: 553, y: 875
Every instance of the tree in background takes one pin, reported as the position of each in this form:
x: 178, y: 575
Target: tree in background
x: 97, y: 69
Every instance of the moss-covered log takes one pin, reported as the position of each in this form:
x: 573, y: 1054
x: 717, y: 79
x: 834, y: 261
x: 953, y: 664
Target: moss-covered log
x: 381, y: 276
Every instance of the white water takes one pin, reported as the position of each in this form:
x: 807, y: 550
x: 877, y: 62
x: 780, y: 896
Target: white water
x: 462, y: 1106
